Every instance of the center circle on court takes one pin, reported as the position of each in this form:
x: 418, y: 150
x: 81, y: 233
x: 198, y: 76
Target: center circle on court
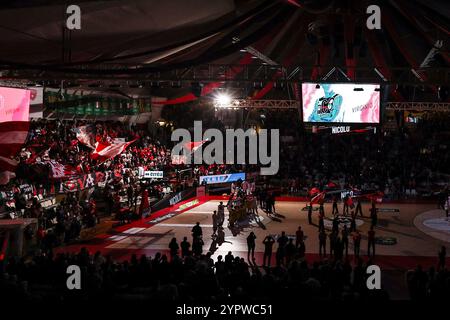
x: 434, y: 223
x: 441, y: 224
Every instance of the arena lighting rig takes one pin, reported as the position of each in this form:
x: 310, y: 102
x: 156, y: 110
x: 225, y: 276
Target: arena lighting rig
x: 225, y: 101
x: 204, y: 73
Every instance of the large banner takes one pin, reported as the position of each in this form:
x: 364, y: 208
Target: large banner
x: 85, y: 181
x: 341, y: 102
x: 222, y: 178
x: 14, y: 125
x: 14, y: 104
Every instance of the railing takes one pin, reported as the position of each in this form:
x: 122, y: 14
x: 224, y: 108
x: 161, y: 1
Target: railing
x: 418, y: 106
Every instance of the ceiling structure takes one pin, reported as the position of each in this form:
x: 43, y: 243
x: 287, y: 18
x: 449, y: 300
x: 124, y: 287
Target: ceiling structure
x: 257, y: 49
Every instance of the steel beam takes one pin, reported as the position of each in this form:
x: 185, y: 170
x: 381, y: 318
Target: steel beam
x: 222, y: 73
x: 262, y: 104
x: 418, y: 106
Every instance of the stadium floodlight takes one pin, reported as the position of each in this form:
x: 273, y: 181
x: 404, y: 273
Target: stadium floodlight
x: 223, y: 100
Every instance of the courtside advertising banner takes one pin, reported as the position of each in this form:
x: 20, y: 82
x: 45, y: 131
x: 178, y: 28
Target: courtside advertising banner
x: 222, y: 178
x: 153, y: 174
x: 341, y: 103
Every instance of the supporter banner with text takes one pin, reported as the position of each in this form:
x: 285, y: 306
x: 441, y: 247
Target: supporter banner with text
x: 85, y: 181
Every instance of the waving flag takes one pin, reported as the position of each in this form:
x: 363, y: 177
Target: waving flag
x: 60, y: 171
x: 85, y: 134
x: 190, y: 147
x: 314, y: 191
x: 193, y: 146
x: 14, y: 125
x: 105, y: 150
x: 317, y: 199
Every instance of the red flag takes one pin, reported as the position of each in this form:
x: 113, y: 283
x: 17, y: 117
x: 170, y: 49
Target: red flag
x: 193, y: 146
x: 104, y: 150
x: 314, y: 191
x: 317, y: 199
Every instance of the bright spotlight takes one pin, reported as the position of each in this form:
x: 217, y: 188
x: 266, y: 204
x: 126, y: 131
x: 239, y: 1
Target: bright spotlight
x: 223, y: 100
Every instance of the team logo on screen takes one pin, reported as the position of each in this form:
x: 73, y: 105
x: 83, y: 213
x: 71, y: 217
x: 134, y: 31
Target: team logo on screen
x: 327, y: 107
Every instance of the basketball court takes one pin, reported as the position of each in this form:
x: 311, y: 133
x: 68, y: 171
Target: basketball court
x: 411, y: 236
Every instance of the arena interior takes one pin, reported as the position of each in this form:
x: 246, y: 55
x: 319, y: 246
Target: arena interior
x: 353, y: 96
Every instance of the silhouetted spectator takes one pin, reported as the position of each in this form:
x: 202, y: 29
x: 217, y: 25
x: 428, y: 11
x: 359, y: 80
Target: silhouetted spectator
x: 185, y: 248
x: 251, y: 244
x: 268, y: 245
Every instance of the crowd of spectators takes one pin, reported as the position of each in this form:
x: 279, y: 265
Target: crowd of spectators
x: 406, y: 162
x: 192, y: 278
x: 118, y: 182
x: 115, y: 183
x: 432, y: 284
x: 57, y: 140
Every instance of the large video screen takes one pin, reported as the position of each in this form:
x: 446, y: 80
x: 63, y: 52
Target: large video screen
x: 341, y: 102
x: 14, y: 104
